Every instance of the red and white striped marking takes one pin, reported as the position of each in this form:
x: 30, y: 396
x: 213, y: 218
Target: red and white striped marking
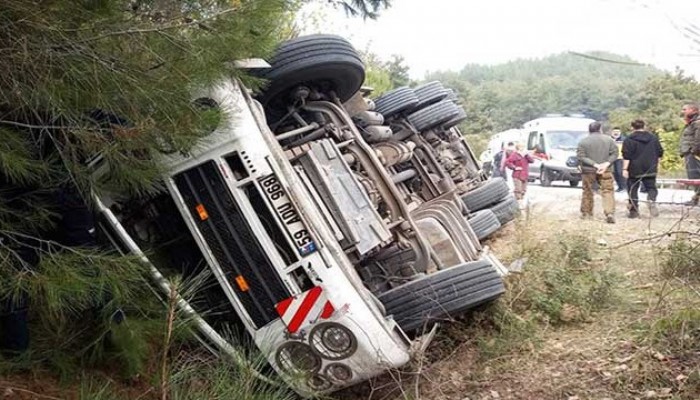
x: 305, y: 309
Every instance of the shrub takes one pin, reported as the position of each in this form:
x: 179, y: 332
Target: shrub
x: 682, y: 260
x: 561, y: 283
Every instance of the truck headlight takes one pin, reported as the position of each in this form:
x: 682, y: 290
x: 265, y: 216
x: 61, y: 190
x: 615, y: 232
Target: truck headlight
x: 333, y: 341
x: 297, y: 357
x: 319, y: 383
x: 338, y: 372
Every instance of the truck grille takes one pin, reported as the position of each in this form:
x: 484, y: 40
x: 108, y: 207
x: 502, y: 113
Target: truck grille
x: 232, y: 242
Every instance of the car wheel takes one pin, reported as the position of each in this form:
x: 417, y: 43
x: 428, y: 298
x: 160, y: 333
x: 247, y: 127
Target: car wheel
x: 573, y: 183
x: 490, y: 192
x: 484, y: 223
x: 545, y: 178
x: 433, y: 115
x: 430, y: 93
x: 324, y: 62
x: 396, y: 101
x: 443, y: 294
x: 506, y: 210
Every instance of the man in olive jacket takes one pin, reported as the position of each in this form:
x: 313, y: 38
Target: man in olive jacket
x: 690, y: 145
x: 596, y: 154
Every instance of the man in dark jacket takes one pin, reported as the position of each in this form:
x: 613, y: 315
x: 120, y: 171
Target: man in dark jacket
x: 641, y: 154
x: 690, y: 145
x: 596, y: 154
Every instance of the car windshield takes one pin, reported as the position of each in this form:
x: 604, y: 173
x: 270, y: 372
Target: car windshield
x: 565, y: 140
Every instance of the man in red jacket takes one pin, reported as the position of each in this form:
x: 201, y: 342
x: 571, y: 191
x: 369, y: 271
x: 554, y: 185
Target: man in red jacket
x: 518, y: 161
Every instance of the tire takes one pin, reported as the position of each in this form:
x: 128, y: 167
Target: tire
x: 430, y: 93
x: 545, y: 179
x: 490, y: 192
x: 325, y: 62
x: 484, y: 223
x: 396, y: 101
x: 456, y: 120
x: 506, y: 210
x: 451, y: 95
x: 433, y: 115
x: 443, y: 294
x: 574, y: 183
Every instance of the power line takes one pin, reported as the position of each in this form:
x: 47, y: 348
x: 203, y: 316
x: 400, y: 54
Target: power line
x: 608, y: 60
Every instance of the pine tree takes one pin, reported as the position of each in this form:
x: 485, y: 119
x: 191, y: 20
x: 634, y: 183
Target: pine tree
x: 111, y: 78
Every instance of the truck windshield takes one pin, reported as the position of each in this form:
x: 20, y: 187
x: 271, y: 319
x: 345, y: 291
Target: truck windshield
x: 565, y: 140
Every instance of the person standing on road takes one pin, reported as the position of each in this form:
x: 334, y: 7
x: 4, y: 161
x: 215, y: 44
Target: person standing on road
x: 597, y: 153
x: 519, y: 161
x: 690, y: 146
x: 497, y: 160
x: 621, y: 182
x: 506, y: 174
x: 641, y: 154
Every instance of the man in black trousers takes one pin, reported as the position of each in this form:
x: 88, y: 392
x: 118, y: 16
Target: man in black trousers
x: 641, y: 153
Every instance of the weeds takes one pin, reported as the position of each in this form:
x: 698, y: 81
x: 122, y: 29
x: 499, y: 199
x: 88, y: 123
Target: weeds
x: 562, y: 282
x: 678, y: 333
x: 510, y: 332
x: 682, y: 260
x: 208, y: 378
x: 665, y: 356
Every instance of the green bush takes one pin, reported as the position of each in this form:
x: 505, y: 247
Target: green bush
x: 561, y: 283
x: 682, y: 260
x: 677, y: 333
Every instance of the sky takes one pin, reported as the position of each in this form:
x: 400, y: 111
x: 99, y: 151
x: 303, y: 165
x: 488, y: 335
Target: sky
x: 437, y: 35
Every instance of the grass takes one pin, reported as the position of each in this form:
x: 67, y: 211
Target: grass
x: 149, y: 352
x: 566, y: 281
x: 580, y: 319
x: 681, y: 259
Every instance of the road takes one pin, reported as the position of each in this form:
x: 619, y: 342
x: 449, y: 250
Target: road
x: 562, y: 200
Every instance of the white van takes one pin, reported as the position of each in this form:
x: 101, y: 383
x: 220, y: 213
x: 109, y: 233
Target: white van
x: 554, y: 140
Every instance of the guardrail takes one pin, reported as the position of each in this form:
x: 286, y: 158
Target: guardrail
x: 677, y: 183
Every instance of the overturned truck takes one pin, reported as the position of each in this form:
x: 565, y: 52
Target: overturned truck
x: 333, y: 233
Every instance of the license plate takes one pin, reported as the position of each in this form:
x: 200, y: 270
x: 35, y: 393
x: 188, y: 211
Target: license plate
x: 288, y: 214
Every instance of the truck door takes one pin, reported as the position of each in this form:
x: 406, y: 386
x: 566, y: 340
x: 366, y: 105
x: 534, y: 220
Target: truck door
x: 535, y: 143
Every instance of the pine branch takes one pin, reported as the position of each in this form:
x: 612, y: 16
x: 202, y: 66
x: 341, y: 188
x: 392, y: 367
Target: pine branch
x: 158, y: 29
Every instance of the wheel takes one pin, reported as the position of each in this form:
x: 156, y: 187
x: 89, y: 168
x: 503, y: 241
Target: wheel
x: 443, y: 294
x: 433, y: 115
x: 573, y: 183
x: 506, y: 210
x: 490, y: 192
x: 324, y: 62
x: 396, y: 101
x: 545, y: 179
x: 484, y: 223
x: 451, y: 95
x: 457, y: 119
x: 430, y: 93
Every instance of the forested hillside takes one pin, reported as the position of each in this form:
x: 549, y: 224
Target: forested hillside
x: 603, y: 86
x: 502, y: 96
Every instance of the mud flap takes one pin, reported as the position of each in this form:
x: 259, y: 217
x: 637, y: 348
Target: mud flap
x: 486, y: 254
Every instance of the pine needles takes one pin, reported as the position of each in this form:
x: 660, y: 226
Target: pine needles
x: 115, y: 77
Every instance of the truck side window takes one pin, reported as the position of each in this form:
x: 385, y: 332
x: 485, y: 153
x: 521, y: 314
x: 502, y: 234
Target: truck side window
x: 541, y: 144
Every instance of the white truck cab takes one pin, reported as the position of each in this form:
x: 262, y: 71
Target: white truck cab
x: 318, y: 244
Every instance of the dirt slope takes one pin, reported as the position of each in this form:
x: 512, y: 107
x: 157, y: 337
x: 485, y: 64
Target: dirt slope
x: 640, y: 339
